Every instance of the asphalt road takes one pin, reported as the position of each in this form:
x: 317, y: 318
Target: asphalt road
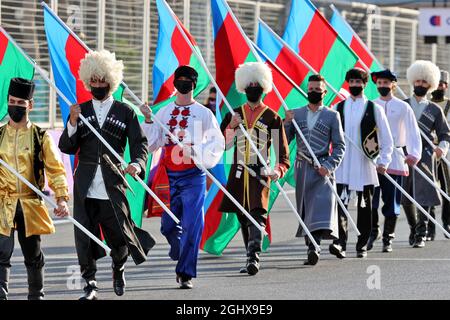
x: 406, y: 273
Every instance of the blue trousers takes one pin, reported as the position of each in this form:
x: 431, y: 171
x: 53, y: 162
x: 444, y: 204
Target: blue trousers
x: 187, y: 197
x: 390, y: 194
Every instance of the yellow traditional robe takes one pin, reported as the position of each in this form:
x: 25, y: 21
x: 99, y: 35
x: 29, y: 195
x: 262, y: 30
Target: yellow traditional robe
x: 17, y: 149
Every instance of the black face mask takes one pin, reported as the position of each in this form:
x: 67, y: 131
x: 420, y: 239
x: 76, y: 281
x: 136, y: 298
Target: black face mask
x: 438, y: 95
x: 315, y: 97
x: 355, y: 91
x: 183, y: 86
x: 253, y: 93
x: 420, y: 91
x: 384, y: 91
x: 16, y: 113
x: 99, y: 93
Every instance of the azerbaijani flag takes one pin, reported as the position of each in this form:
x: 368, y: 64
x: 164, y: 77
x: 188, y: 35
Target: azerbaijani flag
x: 284, y: 58
x: 66, y: 51
x: 314, y: 39
x: 12, y: 64
x: 172, y: 51
x: 355, y: 43
x: 231, y: 50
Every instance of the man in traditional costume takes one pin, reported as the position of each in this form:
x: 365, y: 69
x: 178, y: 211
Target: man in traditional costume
x: 424, y: 77
x: 406, y: 135
x: 322, y: 129
x: 100, y: 203
x: 178, y: 179
x: 266, y: 129
x: 366, y: 125
x: 31, y: 151
x: 439, y: 97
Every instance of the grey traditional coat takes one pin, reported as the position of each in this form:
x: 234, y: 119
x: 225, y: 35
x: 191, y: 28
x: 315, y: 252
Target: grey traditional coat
x: 432, y: 122
x: 315, y: 200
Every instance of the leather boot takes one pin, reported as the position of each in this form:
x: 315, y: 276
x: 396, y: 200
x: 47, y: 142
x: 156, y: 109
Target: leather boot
x: 90, y: 291
x: 119, y: 280
x: 35, y: 283
x: 245, y: 233
x: 431, y: 228
x: 4, y: 279
x: 411, y: 216
x: 375, y: 234
x: 254, y: 249
x: 389, y: 232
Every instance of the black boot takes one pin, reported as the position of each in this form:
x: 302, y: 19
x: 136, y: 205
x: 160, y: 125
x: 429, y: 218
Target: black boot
x: 411, y: 216
x: 90, y: 291
x: 245, y: 232
x: 389, y: 233
x: 313, y: 253
x: 4, y: 279
x: 35, y: 283
x: 431, y: 227
x: 119, y: 280
x: 254, y: 249
x: 375, y: 234
x: 421, y: 230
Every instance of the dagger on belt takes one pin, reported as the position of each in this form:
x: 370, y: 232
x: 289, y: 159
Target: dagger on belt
x: 117, y: 171
x: 254, y: 174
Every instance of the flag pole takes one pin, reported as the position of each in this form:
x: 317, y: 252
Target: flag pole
x: 404, y: 192
x: 364, y: 45
x: 88, y: 124
x: 55, y: 206
x: 308, y: 146
x: 300, y: 58
x: 378, y: 62
x: 140, y: 102
x: 316, y: 161
x: 334, y: 90
x: 241, y: 127
x: 181, y: 145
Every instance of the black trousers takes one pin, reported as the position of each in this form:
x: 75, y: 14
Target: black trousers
x: 364, y: 219
x: 33, y: 256
x: 31, y: 246
x: 102, y: 215
x: 251, y: 235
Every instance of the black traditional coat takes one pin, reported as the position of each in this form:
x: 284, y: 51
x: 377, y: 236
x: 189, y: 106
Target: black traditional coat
x: 121, y: 124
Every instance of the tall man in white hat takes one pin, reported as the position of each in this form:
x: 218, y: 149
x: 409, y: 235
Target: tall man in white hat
x: 424, y: 76
x: 100, y: 203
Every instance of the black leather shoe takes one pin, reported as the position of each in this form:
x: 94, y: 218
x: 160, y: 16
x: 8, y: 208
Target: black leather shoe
x: 374, y: 236
x: 412, y: 237
x: 243, y: 270
x: 419, y: 243
x: 387, y: 248
x: 252, y: 268
x: 119, y: 281
x: 90, y: 291
x: 361, y: 254
x: 185, y: 282
x: 313, y: 257
x: 337, y: 251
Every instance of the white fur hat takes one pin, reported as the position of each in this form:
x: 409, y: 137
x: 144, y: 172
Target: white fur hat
x: 424, y: 70
x: 102, y: 64
x: 252, y: 72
